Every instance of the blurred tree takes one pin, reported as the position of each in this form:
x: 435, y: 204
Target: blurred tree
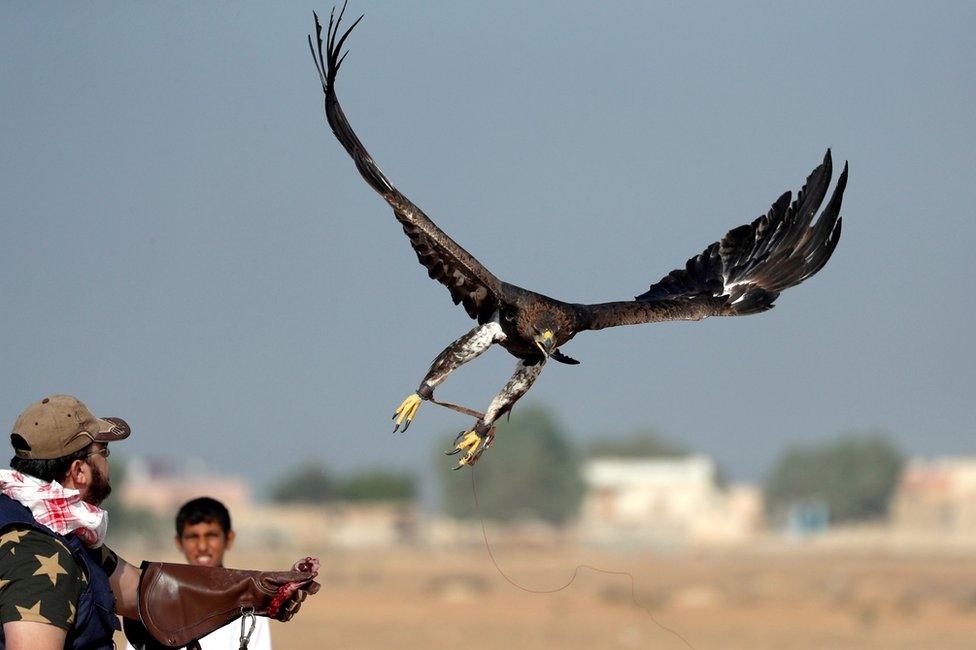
x: 531, y: 472
x: 378, y: 485
x: 854, y: 476
x: 645, y: 443
x: 309, y: 483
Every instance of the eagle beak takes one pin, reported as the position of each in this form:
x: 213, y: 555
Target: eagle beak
x: 545, y: 342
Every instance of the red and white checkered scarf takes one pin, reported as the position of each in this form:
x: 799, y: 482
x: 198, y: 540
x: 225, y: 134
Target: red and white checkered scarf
x: 56, y: 507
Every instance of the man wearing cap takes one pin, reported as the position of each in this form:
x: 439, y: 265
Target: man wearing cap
x: 61, y: 587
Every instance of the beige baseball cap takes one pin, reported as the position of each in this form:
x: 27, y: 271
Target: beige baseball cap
x: 60, y: 425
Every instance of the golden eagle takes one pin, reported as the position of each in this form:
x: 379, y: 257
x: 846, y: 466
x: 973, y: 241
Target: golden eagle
x: 743, y: 273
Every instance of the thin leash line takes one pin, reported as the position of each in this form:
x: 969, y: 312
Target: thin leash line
x: 633, y: 592
x: 464, y: 410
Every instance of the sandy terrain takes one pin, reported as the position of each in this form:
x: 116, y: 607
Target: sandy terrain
x: 446, y: 598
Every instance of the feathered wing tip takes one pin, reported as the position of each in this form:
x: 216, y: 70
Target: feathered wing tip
x: 753, y: 263
x: 467, y: 280
x: 328, y: 67
x: 327, y: 64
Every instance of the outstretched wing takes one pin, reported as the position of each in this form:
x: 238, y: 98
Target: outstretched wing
x: 745, y: 271
x: 470, y: 283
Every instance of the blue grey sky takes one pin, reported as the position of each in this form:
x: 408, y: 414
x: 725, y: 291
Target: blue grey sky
x: 185, y: 244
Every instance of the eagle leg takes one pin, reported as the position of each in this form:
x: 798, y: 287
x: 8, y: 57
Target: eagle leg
x: 466, y: 348
x: 474, y: 442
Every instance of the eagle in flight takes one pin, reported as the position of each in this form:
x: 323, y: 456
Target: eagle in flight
x: 741, y: 274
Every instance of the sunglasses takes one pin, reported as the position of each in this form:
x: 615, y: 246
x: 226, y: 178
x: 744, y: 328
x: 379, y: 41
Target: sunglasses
x: 101, y: 452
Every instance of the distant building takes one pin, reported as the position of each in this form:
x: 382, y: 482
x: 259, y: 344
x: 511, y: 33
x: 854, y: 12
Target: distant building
x: 936, y: 496
x: 664, y: 501
x: 807, y: 517
x: 341, y: 525
x: 162, y: 486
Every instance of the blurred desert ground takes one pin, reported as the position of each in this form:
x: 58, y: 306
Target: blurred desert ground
x: 781, y: 596
x: 712, y: 567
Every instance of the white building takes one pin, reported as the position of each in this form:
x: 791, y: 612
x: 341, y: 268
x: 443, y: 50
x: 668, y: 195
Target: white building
x: 161, y: 487
x: 664, y: 501
x: 936, y: 496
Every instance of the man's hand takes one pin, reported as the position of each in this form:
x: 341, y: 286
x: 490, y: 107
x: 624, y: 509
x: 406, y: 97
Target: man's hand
x: 290, y: 596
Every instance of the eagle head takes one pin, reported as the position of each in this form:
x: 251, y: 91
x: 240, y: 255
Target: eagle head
x: 545, y: 331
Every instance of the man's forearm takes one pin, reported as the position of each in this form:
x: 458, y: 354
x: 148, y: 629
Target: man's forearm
x: 125, y: 588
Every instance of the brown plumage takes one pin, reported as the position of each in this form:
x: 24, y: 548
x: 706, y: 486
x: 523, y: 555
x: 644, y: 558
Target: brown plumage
x: 743, y: 273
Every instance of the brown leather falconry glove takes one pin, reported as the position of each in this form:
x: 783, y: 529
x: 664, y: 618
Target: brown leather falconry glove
x: 179, y: 602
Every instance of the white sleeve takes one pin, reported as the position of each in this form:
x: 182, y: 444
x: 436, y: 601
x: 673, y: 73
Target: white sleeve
x: 229, y: 636
x: 261, y: 639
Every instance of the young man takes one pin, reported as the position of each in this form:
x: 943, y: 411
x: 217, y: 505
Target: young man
x: 60, y: 587
x: 203, y: 535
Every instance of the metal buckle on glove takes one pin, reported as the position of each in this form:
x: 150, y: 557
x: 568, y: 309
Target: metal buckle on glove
x: 246, y: 638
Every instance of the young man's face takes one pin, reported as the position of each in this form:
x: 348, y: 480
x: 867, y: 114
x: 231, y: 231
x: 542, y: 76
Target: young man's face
x: 204, y: 544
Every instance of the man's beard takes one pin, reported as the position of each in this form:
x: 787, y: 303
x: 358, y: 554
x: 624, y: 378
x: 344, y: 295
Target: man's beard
x: 99, y: 489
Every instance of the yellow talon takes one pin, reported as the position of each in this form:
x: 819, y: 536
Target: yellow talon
x: 405, y: 413
x: 470, y: 439
x: 470, y: 444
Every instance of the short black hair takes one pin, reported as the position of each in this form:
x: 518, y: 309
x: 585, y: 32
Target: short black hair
x: 49, y: 469
x: 202, y: 510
